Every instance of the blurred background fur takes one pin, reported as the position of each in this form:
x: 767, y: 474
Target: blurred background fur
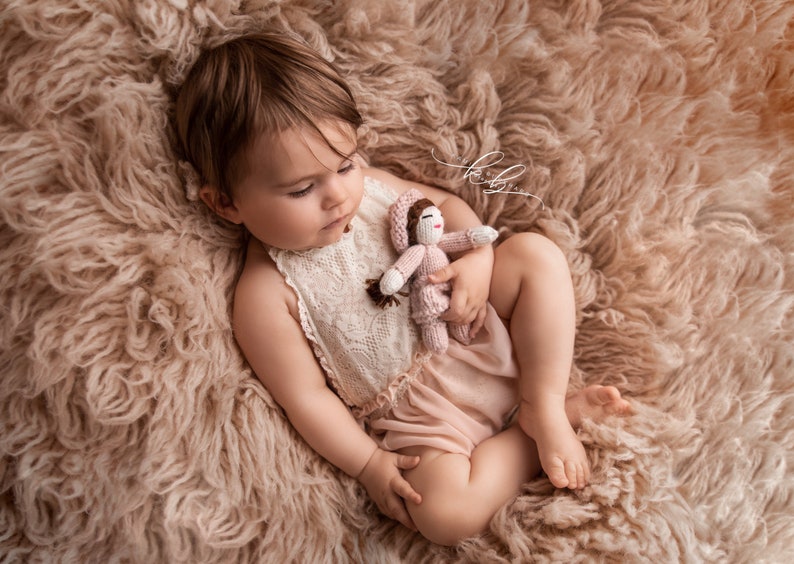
x: 660, y: 137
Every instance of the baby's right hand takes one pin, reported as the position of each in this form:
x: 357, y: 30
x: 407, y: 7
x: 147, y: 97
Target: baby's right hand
x: 384, y: 482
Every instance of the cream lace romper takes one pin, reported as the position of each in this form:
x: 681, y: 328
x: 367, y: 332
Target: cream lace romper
x: 374, y: 358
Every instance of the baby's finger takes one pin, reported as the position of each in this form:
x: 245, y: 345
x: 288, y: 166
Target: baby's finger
x: 405, y: 490
x: 395, y: 508
x: 457, y: 311
x: 405, y: 462
x: 442, y: 275
x: 478, y: 322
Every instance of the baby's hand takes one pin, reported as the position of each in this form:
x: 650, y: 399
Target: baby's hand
x: 470, y: 276
x: 384, y: 482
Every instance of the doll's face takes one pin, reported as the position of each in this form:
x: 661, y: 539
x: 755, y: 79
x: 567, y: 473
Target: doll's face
x: 430, y: 227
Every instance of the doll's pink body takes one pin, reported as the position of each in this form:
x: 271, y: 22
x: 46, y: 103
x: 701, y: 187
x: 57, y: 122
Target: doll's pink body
x: 429, y: 300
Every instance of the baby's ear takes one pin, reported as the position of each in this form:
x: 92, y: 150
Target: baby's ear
x: 220, y: 203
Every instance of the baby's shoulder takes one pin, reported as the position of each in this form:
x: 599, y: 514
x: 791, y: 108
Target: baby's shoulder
x: 261, y: 287
x: 389, y: 180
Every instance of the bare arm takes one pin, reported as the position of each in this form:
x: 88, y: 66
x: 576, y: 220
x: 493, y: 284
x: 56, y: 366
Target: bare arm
x: 277, y: 350
x: 266, y: 327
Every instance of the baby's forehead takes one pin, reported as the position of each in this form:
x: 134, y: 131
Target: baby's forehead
x: 334, y: 136
x: 300, y: 149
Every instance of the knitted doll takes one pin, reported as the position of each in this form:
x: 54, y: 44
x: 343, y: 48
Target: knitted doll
x: 417, y: 232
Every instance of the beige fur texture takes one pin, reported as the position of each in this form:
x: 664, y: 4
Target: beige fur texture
x: 660, y: 137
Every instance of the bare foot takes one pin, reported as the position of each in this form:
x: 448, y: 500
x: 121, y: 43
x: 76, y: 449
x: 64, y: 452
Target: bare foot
x: 595, y: 402
x: 551, y: 424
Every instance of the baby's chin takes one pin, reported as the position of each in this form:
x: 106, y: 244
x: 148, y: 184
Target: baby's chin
x: 326, y: 241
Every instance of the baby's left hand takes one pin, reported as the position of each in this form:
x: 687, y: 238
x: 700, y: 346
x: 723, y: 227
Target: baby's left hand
x: 470, y: 276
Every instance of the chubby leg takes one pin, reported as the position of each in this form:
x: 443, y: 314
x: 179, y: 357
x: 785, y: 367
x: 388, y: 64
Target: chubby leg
x: 460, y: 495
x: 531, y: 288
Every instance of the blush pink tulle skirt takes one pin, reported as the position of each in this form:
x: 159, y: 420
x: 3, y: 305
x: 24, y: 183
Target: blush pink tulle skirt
x: 459, y: 399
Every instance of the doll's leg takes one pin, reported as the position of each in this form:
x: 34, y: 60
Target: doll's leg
x: 460, y: 495
x: 428, y: 302
x: 531, y: 288
x: 460, y: 332
x: 435, y: 336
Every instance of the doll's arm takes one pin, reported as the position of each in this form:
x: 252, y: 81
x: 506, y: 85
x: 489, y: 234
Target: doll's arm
x: 470, y: 238
x: 266, y: 327
x: 399, y: 273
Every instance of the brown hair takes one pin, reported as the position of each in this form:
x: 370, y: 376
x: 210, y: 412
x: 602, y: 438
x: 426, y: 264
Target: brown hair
x: 414, y: 214
x: 255, y: 84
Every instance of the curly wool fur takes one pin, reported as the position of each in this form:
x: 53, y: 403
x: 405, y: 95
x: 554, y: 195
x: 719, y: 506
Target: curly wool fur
x: 659, y: 136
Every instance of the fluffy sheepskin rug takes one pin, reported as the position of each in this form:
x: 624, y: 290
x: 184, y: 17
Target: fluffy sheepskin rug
x: 659, y: 136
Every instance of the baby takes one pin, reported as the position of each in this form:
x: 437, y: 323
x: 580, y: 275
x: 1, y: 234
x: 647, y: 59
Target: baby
x: 271, y: 127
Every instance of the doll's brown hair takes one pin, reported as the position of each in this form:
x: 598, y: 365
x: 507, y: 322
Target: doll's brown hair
x: 255, y: 84
x: 414, y: 214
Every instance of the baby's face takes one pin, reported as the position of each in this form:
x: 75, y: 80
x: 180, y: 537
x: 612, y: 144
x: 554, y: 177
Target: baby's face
x: 298, y: 192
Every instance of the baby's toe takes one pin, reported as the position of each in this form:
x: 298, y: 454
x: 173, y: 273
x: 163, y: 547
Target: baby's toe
x: 607, y: 395
x: 575, y: 473
x: 612, y: 402
x: 558, y: 473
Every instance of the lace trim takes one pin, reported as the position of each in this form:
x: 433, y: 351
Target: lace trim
x: 382, y: 403
x: 309, y: 331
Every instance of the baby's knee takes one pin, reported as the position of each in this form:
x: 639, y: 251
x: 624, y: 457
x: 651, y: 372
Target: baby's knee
x: 533, y: 251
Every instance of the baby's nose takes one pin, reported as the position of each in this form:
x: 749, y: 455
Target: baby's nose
x: 335, y: 193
